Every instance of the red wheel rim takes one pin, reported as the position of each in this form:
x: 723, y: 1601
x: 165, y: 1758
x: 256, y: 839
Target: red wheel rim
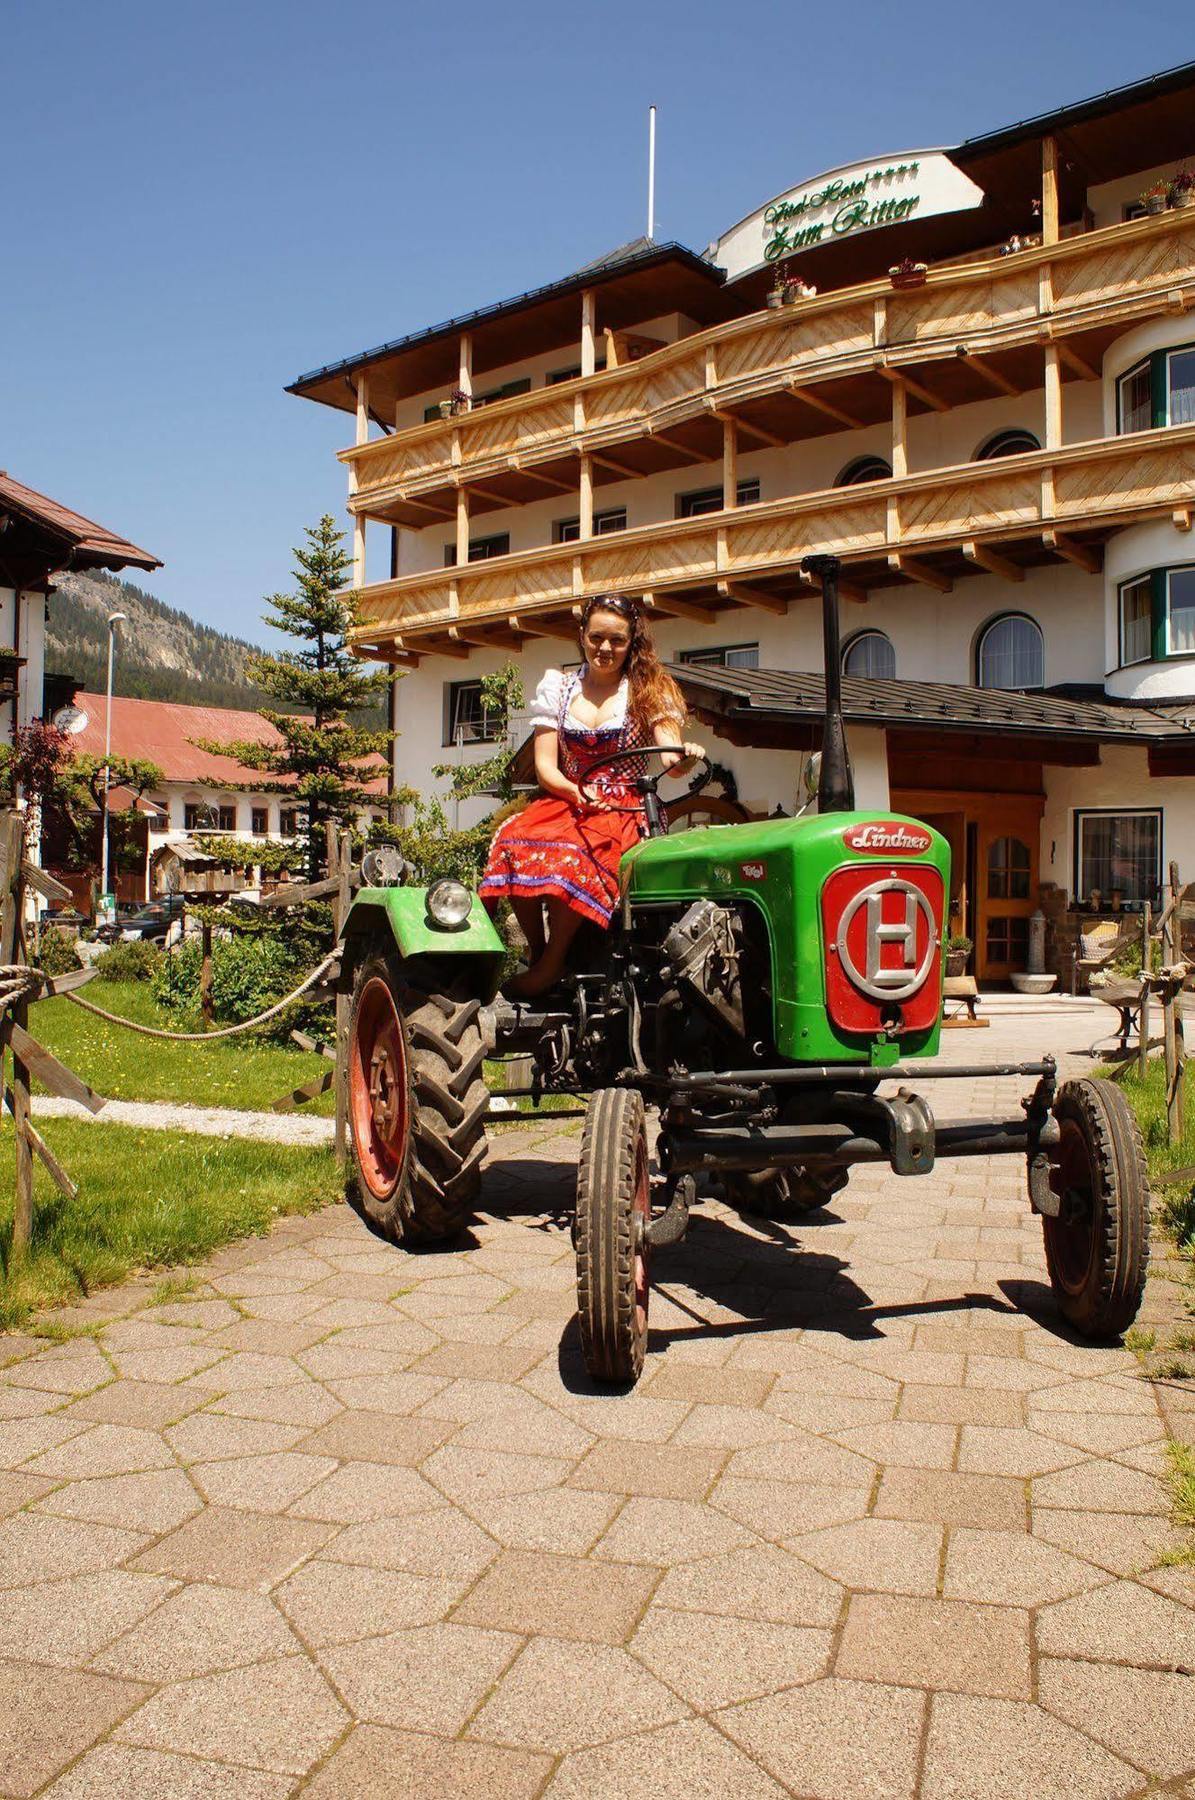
x: 379, y: 1102
x: 642, y: 1216
x: 1072, y: 1234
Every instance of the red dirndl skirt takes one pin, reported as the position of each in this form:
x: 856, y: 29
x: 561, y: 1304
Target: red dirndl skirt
x: 552, y: 851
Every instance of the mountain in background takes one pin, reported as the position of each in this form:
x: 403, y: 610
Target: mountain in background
x: 162, y: 654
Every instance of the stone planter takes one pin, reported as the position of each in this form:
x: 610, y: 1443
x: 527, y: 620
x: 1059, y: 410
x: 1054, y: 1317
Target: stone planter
x: 1033, y: 984
x: 956, y: 962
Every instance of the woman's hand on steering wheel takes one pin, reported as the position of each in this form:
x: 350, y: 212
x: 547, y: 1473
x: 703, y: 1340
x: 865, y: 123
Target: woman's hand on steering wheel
x: 684, y: 754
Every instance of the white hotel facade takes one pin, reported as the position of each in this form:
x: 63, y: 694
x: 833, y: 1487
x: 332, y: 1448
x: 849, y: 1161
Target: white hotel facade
x: 986, y: 409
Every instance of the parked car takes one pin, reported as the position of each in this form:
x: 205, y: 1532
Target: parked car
x: 150, y: 923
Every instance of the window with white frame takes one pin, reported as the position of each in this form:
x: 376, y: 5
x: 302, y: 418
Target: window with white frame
x: 1014, y: 441
x: 1117, y: 852
x: 864, y: 468
x: 467, y: 720
x: 480, y: 548
x: 1180, y: 387
x: 1010, y: 653
x: 724, y: 656
x: 710, y: 500
x: 870, y: 653
x: 1134, y: 399
x: 1180, y: 611
x: 1136, y: 620
x: 568, y: 531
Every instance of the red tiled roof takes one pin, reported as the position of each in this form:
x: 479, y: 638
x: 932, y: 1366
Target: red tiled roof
x: 162, y: 731
x: 89, y: 545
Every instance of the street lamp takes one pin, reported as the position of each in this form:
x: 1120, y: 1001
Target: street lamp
x: 114, y: 619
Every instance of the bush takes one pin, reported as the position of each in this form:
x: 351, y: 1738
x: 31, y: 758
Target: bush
x: 138, y: 960
x: 56, y: 952
x: 248, y: 975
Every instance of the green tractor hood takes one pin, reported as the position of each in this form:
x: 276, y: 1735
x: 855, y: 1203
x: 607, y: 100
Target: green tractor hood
x: 780, y: 867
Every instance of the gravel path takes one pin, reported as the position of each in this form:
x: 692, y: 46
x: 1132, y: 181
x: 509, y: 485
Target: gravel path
x: 206, y: 1121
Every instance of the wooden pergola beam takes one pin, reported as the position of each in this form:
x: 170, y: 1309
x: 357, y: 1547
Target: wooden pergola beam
x: 666, y: 438
x: 616, y: 468
x: 913, y: 570
x: 538, y: 626
x: 984, y: 370
x: 437, y: 512
x: 749, y: 596
x: 1084, y: 556
x: 847, y: 590
x: 839, y: 414
x: 729, y: 416
x: 549, y: 481
x: 917, y: 388
x: 681, y: 609
x: 1076, y: 363
x: 986, y: 558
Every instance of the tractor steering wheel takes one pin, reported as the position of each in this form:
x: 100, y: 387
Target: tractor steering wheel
x: 646, y: 785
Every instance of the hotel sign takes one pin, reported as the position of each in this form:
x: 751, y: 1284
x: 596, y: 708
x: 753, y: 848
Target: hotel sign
x: 844, y: 202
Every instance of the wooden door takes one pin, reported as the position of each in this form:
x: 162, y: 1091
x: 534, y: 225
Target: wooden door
x: 1006, y: 877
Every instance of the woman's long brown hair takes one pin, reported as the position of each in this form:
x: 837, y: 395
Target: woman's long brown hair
x: 653, y: 694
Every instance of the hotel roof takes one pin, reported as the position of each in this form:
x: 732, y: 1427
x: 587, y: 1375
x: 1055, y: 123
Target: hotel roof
x: 1108, y: 135
x: 747, y: 695
x: 57, y: 538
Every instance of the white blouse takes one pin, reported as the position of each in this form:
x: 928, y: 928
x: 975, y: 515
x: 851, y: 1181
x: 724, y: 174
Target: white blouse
x: 550, y: 694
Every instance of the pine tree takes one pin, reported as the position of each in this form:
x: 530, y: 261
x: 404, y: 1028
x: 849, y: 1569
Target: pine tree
x: 320, y: 762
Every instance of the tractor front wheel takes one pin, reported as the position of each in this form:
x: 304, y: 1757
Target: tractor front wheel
x: 1097, y: 1249
x: 613, y: 1213
x: 417, y: 1103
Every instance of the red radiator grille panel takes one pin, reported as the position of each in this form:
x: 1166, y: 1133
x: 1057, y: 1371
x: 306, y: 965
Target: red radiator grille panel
x: 882, y: 933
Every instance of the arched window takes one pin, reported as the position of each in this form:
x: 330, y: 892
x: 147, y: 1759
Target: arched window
x: 1010, y: 653
x: 870, y: 653
x: 864, y: 468
x: 1007, y: 443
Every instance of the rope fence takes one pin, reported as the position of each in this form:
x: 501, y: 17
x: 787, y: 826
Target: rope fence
x: 202, y: 1037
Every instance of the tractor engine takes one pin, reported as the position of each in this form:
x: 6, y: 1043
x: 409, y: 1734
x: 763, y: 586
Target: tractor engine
x: 702, y: 957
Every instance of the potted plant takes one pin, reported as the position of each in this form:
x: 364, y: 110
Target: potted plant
x: 1156, y: 197
x: 907, y: 274
x: 775, y: 294
x: 1183, y: 192
x: 461, y: 402
x: 958, y: 949
x: 446, y: 409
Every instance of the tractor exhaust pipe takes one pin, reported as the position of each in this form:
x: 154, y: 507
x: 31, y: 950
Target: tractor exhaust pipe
x: 836, y: 784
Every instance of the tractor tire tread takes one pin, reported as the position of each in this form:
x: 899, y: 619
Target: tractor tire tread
x: 612, y: 1345
x: 1108, y: 1303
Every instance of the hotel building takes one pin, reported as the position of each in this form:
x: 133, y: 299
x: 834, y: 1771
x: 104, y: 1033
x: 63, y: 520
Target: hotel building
x: 986, y: 408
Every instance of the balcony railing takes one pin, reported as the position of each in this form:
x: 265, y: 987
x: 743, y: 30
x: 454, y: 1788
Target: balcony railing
x: 965, y: 312
x: 885, y: 531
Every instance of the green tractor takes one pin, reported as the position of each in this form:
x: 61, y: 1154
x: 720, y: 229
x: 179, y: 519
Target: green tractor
x: 769, y: 990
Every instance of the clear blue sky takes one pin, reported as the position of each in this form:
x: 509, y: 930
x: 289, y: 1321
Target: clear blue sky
x: 206, y: 200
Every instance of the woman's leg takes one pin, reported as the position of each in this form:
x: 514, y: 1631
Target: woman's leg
x: 530, y: 915
x: 563, y: 925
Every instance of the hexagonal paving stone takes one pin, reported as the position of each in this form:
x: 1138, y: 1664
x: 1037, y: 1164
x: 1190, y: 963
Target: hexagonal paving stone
x: 560, y: 1696
x: 1002, y: 1750
x: 428, y: 1679
x: 278, y: 1715
x: 833, y: 1739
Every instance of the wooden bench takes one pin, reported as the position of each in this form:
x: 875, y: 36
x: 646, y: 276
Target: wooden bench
x: 963, y: 991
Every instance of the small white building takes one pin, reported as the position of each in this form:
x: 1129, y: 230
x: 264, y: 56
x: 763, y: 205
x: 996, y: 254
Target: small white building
x: 201, y: 793
x: 40, y: 538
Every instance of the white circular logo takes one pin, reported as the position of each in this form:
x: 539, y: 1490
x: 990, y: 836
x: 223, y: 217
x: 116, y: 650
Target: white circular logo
x: 894, y: 981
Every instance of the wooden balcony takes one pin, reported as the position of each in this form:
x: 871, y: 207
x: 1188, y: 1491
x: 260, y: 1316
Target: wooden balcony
x: 973, y: 330
x: 1001, y: 516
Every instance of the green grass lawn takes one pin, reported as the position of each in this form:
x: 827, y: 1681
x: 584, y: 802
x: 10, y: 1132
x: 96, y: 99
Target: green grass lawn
x: 1175, y: 1206
x: 243, y: 1071
x: 147, y: 1199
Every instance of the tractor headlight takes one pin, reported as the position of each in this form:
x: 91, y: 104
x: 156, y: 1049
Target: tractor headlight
x: 449, y: 904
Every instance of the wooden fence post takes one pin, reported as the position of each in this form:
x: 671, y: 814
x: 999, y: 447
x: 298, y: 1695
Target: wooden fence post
x: 12, y: 844
x: 1146, y: 978
x: 207, y: 1005
x: 344, y: 895
x: 1169, y: 1010
x: 1180, y: 1059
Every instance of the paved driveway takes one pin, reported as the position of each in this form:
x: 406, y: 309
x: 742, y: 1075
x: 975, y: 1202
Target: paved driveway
x: 350, y: 1522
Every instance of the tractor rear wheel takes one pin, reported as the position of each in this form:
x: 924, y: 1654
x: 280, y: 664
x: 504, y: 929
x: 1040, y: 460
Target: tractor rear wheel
x: 1097, y: 1249
x: 613, y: 1213
x: 417, y: 1103
x: 783, y: 1193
